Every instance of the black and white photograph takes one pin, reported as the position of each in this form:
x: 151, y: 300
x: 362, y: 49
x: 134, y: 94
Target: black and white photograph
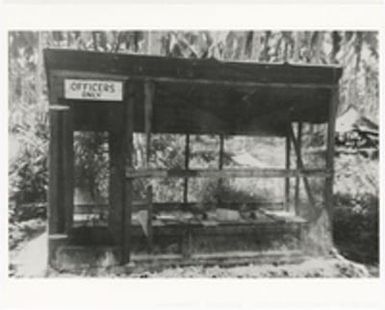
x: 193, y: 153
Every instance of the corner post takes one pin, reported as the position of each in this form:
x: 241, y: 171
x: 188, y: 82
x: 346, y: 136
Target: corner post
x: 129, y: 102
x: 333, y: 106
x: 60, y: 193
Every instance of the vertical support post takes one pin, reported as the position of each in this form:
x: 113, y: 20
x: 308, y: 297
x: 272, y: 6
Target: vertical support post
x: 186, y: 166
x: 298, y: 165
x: 148, y: 106
x: 333, y: 106
x: 129, y: 149
x: 220, y: 161
x: 287, y: 179
x: 149, y: 219
x: 60, y: 194
x: 221, y: 149
x: 186, y: 235
x: 116, y: 143
x: 68, y: 167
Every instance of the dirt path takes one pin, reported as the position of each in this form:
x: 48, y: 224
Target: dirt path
x: 30, y: 260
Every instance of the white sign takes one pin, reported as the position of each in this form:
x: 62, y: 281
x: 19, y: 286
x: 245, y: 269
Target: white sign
x: 93, y: 90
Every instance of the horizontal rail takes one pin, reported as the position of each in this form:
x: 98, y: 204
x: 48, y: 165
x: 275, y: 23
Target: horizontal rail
x: 195, y: 206
x: 226, y: 173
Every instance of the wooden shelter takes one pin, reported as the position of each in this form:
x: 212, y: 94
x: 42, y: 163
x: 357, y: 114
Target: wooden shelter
x: 127, y: 94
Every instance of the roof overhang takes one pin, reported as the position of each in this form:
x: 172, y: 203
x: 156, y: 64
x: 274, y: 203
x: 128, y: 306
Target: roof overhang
x: 206, y: 95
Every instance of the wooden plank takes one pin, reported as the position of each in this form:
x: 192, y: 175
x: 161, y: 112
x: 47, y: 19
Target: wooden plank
x: 116, y: 185
x: 287, y: 179
x: 56, y: 215
x: 220, y: 162
x: 333, y: 106
x: 226, y: 173
x: 297, y: 179
x: 244, y: 254
x: 196, y: 207
x: 186, y: 242
x: 181, y: 206
x: 149, y: 219
x: 186, y: 166
x: 129, y: 150
x: 178, y: 229
x: 301, y: 166
x: 149, y: 89
x: 221, y: 151
x: 61, y: 165
x: 187, y: 70
x: 68, y: 167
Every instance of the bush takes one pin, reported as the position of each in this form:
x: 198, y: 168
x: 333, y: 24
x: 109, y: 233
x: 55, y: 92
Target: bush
x: 356, y: 230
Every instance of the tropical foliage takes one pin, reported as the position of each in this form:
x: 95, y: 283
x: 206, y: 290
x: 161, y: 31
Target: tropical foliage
x: 357, y: 52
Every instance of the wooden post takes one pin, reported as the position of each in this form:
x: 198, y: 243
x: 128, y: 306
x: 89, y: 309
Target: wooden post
x: 60, y: 193
x: 221, y: 149
x: 149, y: 219
x: 148, y: 107
x: 301, y: 167
x: 149, y: 89
x: 333, y: 106
x: 129, y: 149
x: 186, y: 166
x: 68, y: 167
x: 116, y: 195
x: 287, y: 179
x: 298, y: 164
x: 220, y: 162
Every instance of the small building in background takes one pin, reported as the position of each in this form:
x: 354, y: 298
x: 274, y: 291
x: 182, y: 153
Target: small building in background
x: 356, y: 133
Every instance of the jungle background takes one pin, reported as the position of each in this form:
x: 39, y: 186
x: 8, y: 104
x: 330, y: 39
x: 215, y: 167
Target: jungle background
x: 356, y: 189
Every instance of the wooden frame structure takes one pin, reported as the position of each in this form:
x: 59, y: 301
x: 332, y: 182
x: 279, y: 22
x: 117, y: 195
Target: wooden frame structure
x: 183, y: 96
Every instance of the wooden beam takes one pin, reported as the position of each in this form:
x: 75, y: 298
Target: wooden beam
x: 333, y: 106
x: 234, y: 83
x: 190, y: 70
x: 55, y: 202
x: 129, y: 149
x: 221, y: 151
x: 287, y: 179
x: 298, y: 164
x: 116, y: 195
x: 60, y: 165
x: 226, y: 173
x: 301, y: 167
x: 186, y: 166
x: 220, y: 163
x: 149, y: 219
x: 68, y: 167
x: 149, y: 90
x: 196, y: 207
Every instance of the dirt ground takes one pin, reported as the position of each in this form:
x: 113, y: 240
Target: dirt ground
x: 29, y: 260
x: 310, y: 268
